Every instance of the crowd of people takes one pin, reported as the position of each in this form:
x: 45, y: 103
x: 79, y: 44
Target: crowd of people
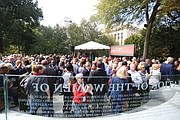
x: 87, y: 86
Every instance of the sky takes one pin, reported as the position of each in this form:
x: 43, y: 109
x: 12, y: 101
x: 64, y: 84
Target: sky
x: 55, y: 11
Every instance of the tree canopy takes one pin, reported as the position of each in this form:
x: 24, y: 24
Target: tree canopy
x: 164, y: 42
x: 17, y: 21
x: 115, y: 12
x: 50, y: 40
x: 87, y: 31
x: 59, y: 39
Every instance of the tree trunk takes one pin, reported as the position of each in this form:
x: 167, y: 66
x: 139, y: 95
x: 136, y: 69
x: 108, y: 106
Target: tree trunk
x: 149, y: 27
x: 146, y: 42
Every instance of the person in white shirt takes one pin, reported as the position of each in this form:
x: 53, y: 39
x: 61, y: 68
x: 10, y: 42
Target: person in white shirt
x: 67, y: 90
x: 156, y: 76
x: 136, y: 80
x: 75, y: 66
x: 135, y: 76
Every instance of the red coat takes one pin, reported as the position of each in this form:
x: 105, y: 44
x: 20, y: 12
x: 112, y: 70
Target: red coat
x: 79, y: 93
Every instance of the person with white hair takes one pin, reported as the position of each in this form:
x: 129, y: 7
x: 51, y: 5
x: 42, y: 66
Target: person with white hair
x: 167, y: 70
x: 80, y: 91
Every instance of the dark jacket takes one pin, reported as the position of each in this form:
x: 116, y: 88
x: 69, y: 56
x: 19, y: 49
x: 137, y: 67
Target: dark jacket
x: 51, y: 80
x: 33, y: 85
x: 167, y: 71
x: 98, y: 78
x: 86, y: 73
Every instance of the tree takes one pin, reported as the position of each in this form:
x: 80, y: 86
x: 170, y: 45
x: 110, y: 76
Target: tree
x: 75, y: 35
x: 87, y: 31
x: 50, y: 40
x: 136, y: 39
x: 18, y: 19
x: 164, y: 42
x: 113, y: 12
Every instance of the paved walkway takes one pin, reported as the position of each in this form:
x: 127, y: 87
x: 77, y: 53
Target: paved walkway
x: 165, y: 105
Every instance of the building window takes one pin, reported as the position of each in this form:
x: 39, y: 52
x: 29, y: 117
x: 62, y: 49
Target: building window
x: 121, y: 38
x: 118, y: 36
x: 115, y: 37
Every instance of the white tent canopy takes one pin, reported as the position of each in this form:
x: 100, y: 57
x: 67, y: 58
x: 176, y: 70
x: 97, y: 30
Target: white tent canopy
x: 91, y: 46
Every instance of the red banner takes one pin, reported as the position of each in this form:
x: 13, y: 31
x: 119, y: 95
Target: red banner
x: 124, y: 50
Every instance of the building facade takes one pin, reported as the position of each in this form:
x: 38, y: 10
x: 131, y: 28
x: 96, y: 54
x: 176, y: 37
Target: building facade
x: 123, y: 32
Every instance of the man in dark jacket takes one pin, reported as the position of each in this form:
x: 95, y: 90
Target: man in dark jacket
x: 99, y: 81
x: 86, y: 71
x: 51, y: 81
x: 167, y: 70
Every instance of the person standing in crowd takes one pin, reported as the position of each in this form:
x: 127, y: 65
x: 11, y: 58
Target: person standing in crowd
x: 98, y: 78
x: 81, y: 66
x: 119, y: 97
x: 23, y: 96
x: 176, y: 72
x: 136, y: 80
x: 80, y: 91
x: 105, y: 61
x: 12, y: 75
x: 108, y: 70
x: 135, y: 77
x: 167, y: 70
x: 93, y: 66
x: 67, y: 89
x: 38, y: 90
x: 103, y: 65
x: 12, y: 60
x: 53, y: 65
x: 75, y: 65
x: 142, y: 71
x: 50, y: 73
x: 145, y: 82
x: 3, y: 70
x: 147, y: 65
x: 156, y: 76
x: 19, y: 67
x: 86, y: 71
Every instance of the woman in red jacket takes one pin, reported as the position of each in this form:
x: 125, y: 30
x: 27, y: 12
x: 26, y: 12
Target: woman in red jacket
x: 80, y: 91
